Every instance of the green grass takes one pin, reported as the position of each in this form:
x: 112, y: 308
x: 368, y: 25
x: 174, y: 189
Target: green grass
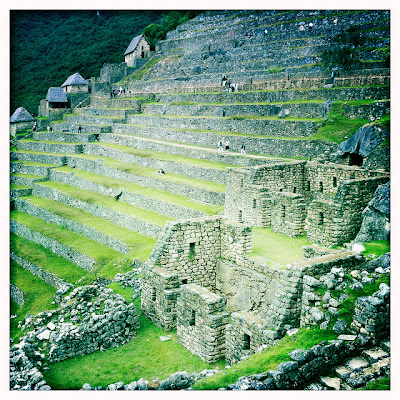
x: 377, y: 247
x: 269, y: 359
x: 141, y: 245
x: 270, y: 245
x: 346, y: 309
x: 109, y: 202
x: 103, y: 255
x: 145, y: 191
x: 138, y: 74
x: 168, y: 157
x: 143, y: 357
x: 379, y: 384
x: 38, y: 296
x: 338, y: 127
x: 152, y: 173
x: 48, y: 261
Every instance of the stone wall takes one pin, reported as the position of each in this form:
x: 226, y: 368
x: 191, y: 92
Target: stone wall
x: 91, y: 318
x: 125, y: 220
x: 17, y: 295
x: 201, y: 322
x: 46, y: 276
x: 193, y: 192
x: 79, y: 259
x: 112, y: 72
x: 257, y: 126
x: 258, y: 145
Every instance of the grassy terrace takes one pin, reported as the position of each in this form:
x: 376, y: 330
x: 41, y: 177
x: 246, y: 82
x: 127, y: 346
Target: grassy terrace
x: 47, y: 260
x: 140, y: 245
x: 244, y: 117
x: 285, y: 90
x: 33, y: 164
x: 143, y: 190
x: 143, y: 357
x: 108, y: 202
x: 38, y: 296
x: 103, y: 255
x: 155, y: 155
x: 269, y: 245
x: 30, y: 176
x: 152, y: 173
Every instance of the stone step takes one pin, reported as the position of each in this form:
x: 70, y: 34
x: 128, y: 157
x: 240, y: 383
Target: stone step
x: 38, y: 157
x: 194, y: 189
x: 260, y: 19
x: 89, y: 119
x: 42, y: 271
x: 107, y: 112
x: 62, y: 214
x: 317, y: 109
x: 280, y: 95
x: 50, y: 147
x: 86, y: 127
x: 133, y: 218
x: 25, y: 179
x: 65, y: 137
x: 179, y: 165
x: 268, y: 126
x: 267, y: 146
x: 125, y: 101
x: 375, y: 354
x: 186, y: 150
x: 32, y: 168
x: 151, y: 199
x: 29, y: 228
x: 17, y: 191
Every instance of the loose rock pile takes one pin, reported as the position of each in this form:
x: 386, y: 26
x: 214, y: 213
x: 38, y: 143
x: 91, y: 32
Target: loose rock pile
x: 177, y: 381
x: 91, y: 318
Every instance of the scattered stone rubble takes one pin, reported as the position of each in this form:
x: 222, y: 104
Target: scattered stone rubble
x: 91, y: 318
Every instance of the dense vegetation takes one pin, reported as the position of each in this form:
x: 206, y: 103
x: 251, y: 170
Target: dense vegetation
x: 48, y: 46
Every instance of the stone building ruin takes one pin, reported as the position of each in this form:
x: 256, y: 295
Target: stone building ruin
x: 323, y: 200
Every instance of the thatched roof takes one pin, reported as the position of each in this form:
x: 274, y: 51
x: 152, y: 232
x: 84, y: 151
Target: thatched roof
x: 133, y: 44
x: 56, y: 95
x: 21, y: 115
x: 75, y: 79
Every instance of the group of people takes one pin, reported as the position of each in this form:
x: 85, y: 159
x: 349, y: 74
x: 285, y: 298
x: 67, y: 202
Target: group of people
x: 226, y: 146
x: 73, y: 128
x: 230, y: 86
x: 118, y: 92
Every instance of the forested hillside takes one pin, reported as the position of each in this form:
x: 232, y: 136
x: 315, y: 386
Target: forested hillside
x: 48, y: 46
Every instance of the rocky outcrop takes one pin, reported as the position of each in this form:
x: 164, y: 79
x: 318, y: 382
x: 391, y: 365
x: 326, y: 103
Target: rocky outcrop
x: 376, y: 217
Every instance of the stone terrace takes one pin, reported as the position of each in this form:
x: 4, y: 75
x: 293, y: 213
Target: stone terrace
x: 94, y: 199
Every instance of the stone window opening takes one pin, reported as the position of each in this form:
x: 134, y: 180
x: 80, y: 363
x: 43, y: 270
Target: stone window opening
x: 254, y: 203
x: 192, y: 250
x: 334, y: 181
x: 308, y: 186
x: 321, y: 218
x: 321, y: 187
x: 283, y: 211
x: 294, y: 189
x: 184, y: 281
x: 192, y: 318
x: 153, y: 294
x: 246, y: 341
x: 240, y: 216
